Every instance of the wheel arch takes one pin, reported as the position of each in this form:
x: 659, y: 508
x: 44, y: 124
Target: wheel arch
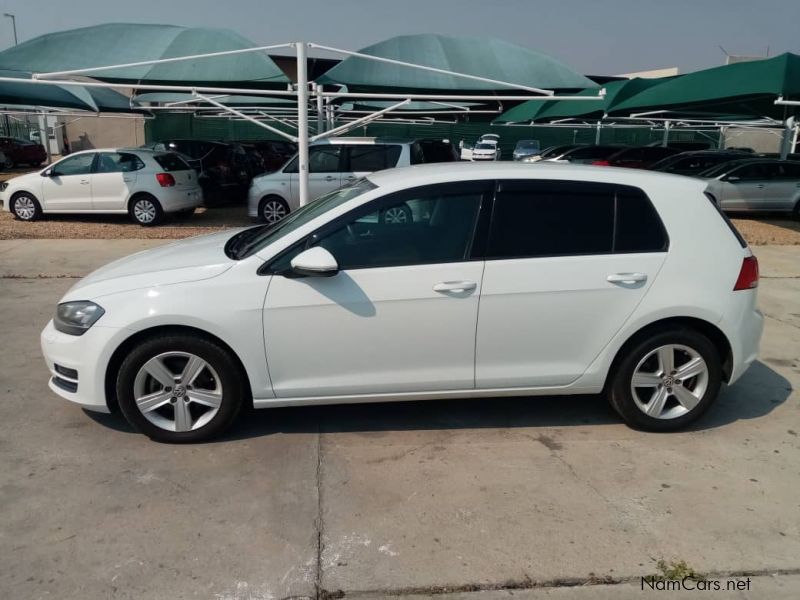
x: 124, y: 348
x: 711, y: 331
x: 139, y: 194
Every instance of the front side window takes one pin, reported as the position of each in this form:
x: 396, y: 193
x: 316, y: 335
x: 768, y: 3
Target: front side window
x: 118, y: 162
x: 422, y: 226
x: 373, y: 157
x: 80, y: 164
x: 536, y: 219
x: 755, y: 172
x: 324, y: 159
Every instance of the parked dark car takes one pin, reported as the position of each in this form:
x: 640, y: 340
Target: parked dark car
x: 686, y: 146
x: 585, y: 154
x: 552, y: 152
x: 224, y: 169
x: 692, y: 163
x: 270, y: 154
x: 433, y: 150
x: 639, y: 157
x: 21, y: 152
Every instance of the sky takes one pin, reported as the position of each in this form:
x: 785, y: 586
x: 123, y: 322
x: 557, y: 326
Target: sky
x: 598, y: 37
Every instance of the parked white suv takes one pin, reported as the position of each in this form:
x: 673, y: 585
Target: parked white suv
x: 332, y: 164
x: 588, y: 281
x: 145, y: 184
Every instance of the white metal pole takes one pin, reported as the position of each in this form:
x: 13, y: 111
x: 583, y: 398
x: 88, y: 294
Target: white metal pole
x: 786, y: 140
x: 320, y: 111
x: 794, y: 137
x: 665, y: 139
x: 597, y: 134
x: 302, y: 121
x: 241, y: 115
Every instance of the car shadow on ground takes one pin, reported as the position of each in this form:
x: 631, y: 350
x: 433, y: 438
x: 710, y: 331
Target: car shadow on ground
x: 755, y: 395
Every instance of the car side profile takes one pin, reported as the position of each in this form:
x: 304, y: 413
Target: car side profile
x: 755, y: 185
x: 144, y: 184
x: 587, y: 279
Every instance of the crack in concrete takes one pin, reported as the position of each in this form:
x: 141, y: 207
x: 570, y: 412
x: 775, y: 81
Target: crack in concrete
x: 528, y: 584
x: 774, y: 318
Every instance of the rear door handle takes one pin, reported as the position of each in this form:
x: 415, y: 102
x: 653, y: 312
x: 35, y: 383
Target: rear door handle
x: 455, y: 286
x: 626, y: 278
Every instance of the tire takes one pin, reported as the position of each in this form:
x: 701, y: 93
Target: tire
x: 25, y: 207
x: 9, y: 163
x: 182, y: 414
x: 682, y: 400
x: 796, y: 211
x: 272, y: 209
x: 145, y: 210
x: 397, y: 214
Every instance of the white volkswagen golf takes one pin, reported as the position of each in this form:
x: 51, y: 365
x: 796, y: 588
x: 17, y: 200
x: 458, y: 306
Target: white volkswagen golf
x: 144, y: 184
x: 508, y: 280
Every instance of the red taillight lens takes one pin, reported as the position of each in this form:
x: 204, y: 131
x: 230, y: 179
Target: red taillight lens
x: 165, y: 179
x: 748, y: 274
x: 602, y: 163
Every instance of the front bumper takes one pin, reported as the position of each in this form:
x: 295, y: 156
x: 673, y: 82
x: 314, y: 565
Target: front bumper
x: 88, y: 356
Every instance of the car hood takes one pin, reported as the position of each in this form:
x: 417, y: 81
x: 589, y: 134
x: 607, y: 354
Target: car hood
x: 191, y: 259
x: 26, y: 179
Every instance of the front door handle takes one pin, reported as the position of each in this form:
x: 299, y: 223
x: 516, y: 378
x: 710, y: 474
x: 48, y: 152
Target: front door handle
x: 84, y: 182
x: 329, y: 178
x: 628, y: 278
x: 455, y: 286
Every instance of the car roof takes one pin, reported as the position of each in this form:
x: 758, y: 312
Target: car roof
x: 363, y: 140
x: 426, y: 174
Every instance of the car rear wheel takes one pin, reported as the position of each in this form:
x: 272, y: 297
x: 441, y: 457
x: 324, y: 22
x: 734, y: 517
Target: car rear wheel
x: 272, y: 209
x: 397, y: 214
x: 25, y: 207
x: 180, y: 388
x: 146, y: 210
x: 666, y: 380
x: 9, y: 163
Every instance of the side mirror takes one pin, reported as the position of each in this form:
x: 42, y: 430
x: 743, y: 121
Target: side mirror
x: 732, y: 178
x: 315, y: 262
x: 47, y: 173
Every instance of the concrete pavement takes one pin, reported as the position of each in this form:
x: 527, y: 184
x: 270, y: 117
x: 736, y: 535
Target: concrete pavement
x: 508, y: 496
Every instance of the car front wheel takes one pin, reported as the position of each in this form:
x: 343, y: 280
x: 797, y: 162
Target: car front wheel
x: 179, y: 388
x: 272, y: 209
x: 26, y: 207
x: 666, y: 381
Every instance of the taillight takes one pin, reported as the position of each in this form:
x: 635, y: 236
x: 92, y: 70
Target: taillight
x: 601, y: 163
x: 165, y: 179
x: 748, y: 274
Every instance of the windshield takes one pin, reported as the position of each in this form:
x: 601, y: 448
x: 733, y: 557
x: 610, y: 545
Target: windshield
x: 248, y: 242
x: 527, y: 145
x: 717, y: 170
x: 484, y: 146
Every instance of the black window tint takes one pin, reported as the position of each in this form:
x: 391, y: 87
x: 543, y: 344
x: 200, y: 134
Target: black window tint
x: 370, y: 158
x: 171, y: 162
x: 791, y: 170
x: 414, y: 227
x: 551, y: 219
x: 753, y: 172
x: 118, y: 162
x: 80, y: 164
x: 592, y: 152
x: 324, y: 159
x: 638, y: 227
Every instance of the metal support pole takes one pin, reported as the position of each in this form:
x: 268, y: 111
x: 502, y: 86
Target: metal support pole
x: 302, y: 122
x: 665, y: 139
x: 597, y: 135
x: 794, y: 137
x: 786, y: 140
x: 320, y: 111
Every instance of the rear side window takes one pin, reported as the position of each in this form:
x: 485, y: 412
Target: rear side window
x: 535, y: 219
x: 118, y: 162
x: 370, y: 158
x: 171, y: 162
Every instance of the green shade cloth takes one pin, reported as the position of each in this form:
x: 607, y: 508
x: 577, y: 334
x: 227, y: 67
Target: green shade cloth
x: 120, y: 43
x: 59, y: 96
x: 165, y: 97
x: 538, y: 111
x: 482, y: 57
x: 377, y: 105
x: 746, y: 89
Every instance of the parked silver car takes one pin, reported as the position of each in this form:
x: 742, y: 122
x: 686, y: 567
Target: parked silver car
x: 756, y: 185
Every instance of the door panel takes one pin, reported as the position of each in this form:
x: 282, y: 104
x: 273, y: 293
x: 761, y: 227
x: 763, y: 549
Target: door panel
x: 371, y: 331
x: 114, y: 176
x: 544, y: 320
x: 69, y: 186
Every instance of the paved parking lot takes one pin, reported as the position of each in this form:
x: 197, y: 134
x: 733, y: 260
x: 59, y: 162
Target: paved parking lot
x: 535, y: 497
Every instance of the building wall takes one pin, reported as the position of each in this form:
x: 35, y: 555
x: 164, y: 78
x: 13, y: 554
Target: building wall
x: 93, y: 132
x: 760, y: 140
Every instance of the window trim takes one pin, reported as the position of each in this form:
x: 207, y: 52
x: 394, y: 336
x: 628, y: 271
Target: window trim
x: 485, y: 187
x: 615, y: 187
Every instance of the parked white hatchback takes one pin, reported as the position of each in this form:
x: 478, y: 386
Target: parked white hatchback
x: 145, y: 184
x: 588, y: 280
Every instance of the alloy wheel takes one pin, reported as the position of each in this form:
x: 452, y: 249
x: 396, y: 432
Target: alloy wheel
x: 670, y: 381
x: 273, y: 211
x: 24, y: 208
x: 144, y: 211
x: 177, y: 391
x: 395, y: 214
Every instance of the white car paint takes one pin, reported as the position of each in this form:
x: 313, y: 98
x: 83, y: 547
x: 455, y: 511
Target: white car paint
x: 486, y: 150
x: 104, y: 192
x: 545, y: 325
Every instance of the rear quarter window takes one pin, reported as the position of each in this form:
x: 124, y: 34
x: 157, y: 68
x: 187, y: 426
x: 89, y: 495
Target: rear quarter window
x: 171, y: 162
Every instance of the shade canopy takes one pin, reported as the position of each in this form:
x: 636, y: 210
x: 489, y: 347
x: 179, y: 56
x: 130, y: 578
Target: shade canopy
x: 745, y: 89
x: 482, y: 57
x: 122, y: 43
x: 167, y: 97
x: 52, y: 95
x: 536, y: 110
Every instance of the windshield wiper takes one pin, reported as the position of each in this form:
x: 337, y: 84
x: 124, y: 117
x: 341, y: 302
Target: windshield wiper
x: 237, y: 243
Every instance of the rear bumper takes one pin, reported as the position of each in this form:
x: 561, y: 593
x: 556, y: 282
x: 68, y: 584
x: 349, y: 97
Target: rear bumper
x: 175, y: 199
x: 745, y: 345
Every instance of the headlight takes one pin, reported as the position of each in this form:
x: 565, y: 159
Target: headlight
x: 3, y: 186
x: 75, y: 318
